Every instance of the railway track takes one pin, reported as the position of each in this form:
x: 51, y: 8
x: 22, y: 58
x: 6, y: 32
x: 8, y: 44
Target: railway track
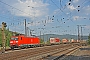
x: 62, y: 54
x: 36, y: 53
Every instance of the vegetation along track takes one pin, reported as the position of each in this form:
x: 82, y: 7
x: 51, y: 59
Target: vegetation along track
x: 36, y: 53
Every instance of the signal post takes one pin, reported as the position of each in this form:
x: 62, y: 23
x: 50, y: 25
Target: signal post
x: 3, y: 37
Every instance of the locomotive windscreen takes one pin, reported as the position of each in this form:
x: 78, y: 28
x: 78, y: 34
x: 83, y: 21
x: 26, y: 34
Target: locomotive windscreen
x: 14, y: 38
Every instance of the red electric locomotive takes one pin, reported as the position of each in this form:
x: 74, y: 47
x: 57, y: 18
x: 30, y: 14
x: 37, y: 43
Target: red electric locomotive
x: 23, y: 41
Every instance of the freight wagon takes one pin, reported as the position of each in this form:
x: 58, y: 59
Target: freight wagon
x: 73, y: 41
x: 54, y: 41
x: 65, y: 41
x: 23, y: 41
x: 78, y: 41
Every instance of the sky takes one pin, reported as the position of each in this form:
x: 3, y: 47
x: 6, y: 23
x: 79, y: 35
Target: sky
x: 46, y: 16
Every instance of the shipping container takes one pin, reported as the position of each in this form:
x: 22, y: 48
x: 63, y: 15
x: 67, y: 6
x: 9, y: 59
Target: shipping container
x: 73, y: 41
x: 65, y: 40
x: 78, y: 41
x: 54, y: 40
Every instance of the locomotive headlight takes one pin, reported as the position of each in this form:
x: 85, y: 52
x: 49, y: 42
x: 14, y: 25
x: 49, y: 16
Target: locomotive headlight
x: 11, y: 41
x: 16, y: 41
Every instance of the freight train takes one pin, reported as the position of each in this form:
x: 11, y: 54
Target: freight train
x: 22, y: 41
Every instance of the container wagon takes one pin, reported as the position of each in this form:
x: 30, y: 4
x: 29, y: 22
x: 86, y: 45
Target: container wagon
x: 54, y: 41
x: 65, y: 41
x: 73, y: 41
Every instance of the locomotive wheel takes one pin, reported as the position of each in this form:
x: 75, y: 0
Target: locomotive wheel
x: 12, y: 48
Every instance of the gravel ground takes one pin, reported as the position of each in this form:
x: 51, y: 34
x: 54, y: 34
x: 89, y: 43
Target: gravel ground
x: 82, y: 54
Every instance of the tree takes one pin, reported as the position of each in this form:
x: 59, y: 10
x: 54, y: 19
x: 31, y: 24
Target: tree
x: 8, y: 36
x: 0, y: 37
x: 48, y: 42
x: 41, y: 41
x: 89, y: 39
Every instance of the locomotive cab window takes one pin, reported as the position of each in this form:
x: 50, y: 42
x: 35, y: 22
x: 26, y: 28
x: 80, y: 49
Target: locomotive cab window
x: 14, y: 38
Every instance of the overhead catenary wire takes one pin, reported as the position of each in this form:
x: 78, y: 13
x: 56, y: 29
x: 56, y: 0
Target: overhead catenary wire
x: 61, y: 4
x: 62, y: 10
x: 54, y: 15
x: 80, y: 6
x: 57, y: 7
x: 14, y: 7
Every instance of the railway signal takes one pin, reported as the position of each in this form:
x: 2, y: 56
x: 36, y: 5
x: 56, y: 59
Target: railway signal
x: 3, y: 36
x: 4, y: 24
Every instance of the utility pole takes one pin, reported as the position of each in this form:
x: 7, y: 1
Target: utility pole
x: 40, y: 34
x: 25, y: 28
x: 29, y: 30
x: 3, y: 37
x: 43, y: 38
x: 82, y: 32
x: 80, y: 38
x: 78, y: 33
